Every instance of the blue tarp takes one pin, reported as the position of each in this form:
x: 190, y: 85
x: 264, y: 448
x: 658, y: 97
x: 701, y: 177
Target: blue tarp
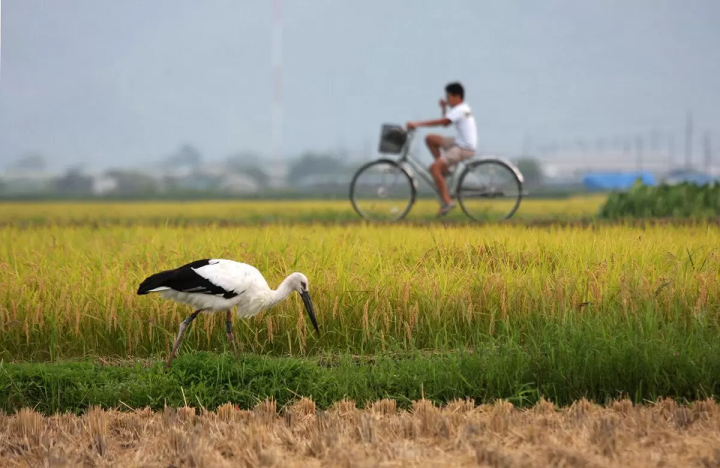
x: 604, y: 181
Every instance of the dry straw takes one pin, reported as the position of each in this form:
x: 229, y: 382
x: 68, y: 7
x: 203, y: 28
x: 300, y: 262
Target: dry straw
x: 458, y: 434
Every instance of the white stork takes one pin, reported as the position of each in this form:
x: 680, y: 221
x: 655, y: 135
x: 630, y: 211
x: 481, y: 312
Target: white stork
x: 215, y: 285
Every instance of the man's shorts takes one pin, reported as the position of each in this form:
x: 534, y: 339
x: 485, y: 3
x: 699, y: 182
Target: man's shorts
x: 453, y: 154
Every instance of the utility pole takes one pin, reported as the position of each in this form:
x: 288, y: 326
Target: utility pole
x: 277, y: 126
x: 653, y: 145
x: 708, y: 151
x: 0, y: 34
x: 600, y: 145
x: 671, y: 153
x: 627, y: 146
x: 654, y: 137
x: 688, y: 140
x: 639, y: 152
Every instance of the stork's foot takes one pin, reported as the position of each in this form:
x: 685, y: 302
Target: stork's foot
x: 231, y: 339
x: 230, y: 336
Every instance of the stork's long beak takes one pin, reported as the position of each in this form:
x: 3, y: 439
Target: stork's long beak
x: 310, y: 309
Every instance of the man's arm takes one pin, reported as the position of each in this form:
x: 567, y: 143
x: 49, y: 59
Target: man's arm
x: 430, y: 123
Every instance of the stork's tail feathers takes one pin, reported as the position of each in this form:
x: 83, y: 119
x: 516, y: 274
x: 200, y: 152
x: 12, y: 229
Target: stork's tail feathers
x: 155, y: 283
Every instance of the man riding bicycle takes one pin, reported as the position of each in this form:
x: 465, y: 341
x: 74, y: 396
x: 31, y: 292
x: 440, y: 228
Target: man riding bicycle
x: 455, y: 149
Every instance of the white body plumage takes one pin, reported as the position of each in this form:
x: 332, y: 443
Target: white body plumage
x: 214, y: 285
x: 253, y: 292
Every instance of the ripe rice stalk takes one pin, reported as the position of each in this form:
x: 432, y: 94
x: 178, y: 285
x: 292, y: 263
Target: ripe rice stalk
x: 423, y: 282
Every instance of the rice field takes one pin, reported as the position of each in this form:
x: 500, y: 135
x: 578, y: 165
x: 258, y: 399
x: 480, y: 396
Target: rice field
x: 234, y: 212
x: 490, y: 314
x: 70, y: 291
x: 300, y: 435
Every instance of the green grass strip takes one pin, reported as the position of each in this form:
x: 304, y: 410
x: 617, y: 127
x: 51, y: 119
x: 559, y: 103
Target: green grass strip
x: 563, y: 374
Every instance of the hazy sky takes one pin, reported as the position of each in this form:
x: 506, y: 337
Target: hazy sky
x: 121, y: 82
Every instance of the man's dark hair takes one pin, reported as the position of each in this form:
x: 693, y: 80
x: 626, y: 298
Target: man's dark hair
x: 456, y: 89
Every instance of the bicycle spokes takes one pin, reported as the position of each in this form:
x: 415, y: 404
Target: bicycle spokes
x: 382, y: 191
x: 489, y: 191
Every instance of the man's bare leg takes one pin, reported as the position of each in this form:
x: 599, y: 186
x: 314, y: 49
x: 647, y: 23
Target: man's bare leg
x: 435, y: 143
x: 437, y: 169
x: 185, y: 323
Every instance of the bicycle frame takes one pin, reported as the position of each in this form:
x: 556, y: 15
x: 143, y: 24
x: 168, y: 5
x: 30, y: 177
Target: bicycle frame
x: 413, y: 166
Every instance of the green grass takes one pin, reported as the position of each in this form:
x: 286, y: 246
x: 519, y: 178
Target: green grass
x: 561, y: 359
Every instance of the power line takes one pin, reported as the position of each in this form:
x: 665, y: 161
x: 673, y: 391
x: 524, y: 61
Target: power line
x: 671, y: 152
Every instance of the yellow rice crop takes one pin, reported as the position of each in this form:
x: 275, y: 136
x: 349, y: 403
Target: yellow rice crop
x: 228, y: 211
x: 71, y: 290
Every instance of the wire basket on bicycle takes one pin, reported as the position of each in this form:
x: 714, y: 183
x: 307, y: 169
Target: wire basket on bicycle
x: 392, y: 139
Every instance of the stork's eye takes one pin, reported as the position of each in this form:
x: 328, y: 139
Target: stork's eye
x: 303, y: 284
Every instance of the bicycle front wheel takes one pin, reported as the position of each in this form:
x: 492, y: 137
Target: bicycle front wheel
x: 489, y: 190
x: 382, y: 191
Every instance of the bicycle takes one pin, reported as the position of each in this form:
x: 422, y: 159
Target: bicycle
x: 493, y: 196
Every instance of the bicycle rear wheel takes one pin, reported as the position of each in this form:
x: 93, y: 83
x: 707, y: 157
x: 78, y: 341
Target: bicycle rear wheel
x: 489, y: 190
x: 382, y: 190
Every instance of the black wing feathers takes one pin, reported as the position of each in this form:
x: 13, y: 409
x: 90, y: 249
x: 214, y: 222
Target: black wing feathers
x: 184, y: 279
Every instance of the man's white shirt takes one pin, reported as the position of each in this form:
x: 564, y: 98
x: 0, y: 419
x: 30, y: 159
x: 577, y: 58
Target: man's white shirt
x: 461, y: 116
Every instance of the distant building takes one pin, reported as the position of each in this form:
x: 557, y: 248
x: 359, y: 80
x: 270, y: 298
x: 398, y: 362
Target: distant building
x: 209, y: 177
x: 324, y: 180
x: 26, y: 181
x: 575, y: 163
x: 278, y: 174
x: 239, y: 183
x: 103, y: 184
x: 699, y: 178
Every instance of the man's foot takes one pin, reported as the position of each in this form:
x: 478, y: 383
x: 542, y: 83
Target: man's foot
x: 445, y: 209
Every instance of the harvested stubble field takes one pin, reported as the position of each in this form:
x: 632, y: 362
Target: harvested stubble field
x: 458, y: 434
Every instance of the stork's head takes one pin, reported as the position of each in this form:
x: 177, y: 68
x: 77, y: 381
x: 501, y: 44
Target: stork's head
x: 299, y: 282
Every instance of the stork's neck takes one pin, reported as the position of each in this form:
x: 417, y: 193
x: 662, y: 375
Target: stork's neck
x: 278, y: 295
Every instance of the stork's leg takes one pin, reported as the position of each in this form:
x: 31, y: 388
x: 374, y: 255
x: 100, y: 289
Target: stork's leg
x: 185, y: 323
x: 228, y: 329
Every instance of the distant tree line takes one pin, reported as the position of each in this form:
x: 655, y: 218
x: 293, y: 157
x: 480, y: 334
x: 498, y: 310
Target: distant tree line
x: 185, y: 171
